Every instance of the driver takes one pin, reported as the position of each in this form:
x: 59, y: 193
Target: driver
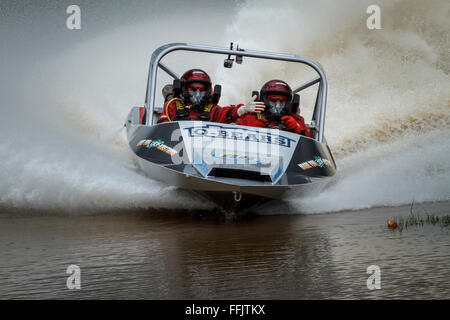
x: 277, y: 114
x: 195, y: 103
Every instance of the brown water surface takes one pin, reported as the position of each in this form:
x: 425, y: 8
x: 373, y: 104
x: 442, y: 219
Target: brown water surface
x: 147, y: 255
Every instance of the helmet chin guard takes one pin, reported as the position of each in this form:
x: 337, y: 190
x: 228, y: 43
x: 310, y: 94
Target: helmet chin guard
x: 277, y: 109
x: 197, y: 98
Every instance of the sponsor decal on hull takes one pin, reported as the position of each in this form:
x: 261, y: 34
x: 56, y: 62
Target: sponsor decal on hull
x: 317, y: 162
x: 227, y: 146
x: 158, y: 144
x: 240, y: 157
x: 214, y: 131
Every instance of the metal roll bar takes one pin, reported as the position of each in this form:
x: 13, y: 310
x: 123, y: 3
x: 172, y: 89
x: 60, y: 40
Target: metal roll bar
x: 158, y: 54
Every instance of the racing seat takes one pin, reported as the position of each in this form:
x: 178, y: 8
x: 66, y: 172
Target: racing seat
x: 142, y: 114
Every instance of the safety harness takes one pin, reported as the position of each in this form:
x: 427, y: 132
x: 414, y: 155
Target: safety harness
x: 205, y: 112
x: 182, y: 113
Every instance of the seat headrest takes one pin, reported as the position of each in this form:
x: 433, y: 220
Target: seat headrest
x: 295, y: 105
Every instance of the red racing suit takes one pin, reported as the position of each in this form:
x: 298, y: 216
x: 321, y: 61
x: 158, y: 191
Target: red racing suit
x: 259, y: 120
x: 175, y: 110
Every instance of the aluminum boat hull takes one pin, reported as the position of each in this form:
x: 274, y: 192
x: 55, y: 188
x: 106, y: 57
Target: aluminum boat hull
x: 185, y: 154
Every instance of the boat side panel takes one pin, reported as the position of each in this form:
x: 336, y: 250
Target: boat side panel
x: 311, y: 158
x: 162, y: 144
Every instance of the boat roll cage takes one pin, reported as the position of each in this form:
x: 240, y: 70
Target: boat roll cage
x: 318, y: 118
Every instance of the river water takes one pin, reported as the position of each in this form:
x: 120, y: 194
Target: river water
x: 196, y: 255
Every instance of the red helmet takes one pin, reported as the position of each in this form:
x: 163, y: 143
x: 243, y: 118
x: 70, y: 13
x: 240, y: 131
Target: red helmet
x: 276, y: 87
x: 195, y: 75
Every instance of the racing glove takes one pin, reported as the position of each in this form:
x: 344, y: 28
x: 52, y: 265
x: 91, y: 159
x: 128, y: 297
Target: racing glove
x: 291, y: 124
x: 251, y: 106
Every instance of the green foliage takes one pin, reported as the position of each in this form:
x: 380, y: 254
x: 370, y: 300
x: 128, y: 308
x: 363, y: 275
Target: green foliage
x: 415, y: 220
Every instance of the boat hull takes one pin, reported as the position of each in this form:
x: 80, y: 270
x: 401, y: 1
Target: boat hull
x: 220, y: 161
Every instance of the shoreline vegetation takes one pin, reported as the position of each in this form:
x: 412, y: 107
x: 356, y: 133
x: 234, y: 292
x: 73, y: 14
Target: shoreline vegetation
x: 414, y: 220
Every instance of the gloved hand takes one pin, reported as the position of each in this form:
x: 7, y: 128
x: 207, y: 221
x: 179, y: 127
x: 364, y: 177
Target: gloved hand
x: 251, y: 106
x: 261, y: 123
x: 291, y: 124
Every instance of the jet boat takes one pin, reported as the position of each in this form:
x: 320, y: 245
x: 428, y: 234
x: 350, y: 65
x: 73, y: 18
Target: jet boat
x: 235, y: 166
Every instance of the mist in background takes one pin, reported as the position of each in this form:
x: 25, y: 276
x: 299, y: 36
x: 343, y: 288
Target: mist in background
x: 66, y: 93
